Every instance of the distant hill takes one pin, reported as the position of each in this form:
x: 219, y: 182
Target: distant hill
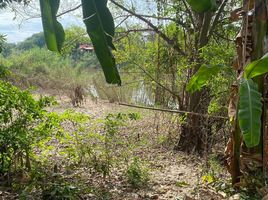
x: 36, y: 40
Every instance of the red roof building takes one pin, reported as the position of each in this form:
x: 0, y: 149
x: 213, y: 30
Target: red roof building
x: 86, y: 47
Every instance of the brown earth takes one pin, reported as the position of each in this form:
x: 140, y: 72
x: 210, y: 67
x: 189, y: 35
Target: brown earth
x: 173, y: 175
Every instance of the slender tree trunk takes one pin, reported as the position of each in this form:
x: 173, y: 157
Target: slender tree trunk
x: 193, y: 137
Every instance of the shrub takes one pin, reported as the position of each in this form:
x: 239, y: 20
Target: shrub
x: 137, y: 174
x: 23, y: 121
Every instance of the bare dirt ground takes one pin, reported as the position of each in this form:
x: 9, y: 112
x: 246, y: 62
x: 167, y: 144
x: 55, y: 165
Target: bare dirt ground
x: 172, y: 175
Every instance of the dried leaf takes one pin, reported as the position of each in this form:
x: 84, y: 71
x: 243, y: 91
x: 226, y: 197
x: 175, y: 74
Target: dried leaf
x: 233, y: 102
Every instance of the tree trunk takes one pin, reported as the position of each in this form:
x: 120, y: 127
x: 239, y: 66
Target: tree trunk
x: 194, y: 133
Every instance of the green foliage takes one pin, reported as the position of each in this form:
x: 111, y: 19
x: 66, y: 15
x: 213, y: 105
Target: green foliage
x: 134, y: 116
x: 249, y: 113
x: 4, y: 72
x: 74, y: 35
x: 256, y: 68
x: 4, y: 3
x: 137, y: 174
x: 100, y: 27
x: 202, y: 5
x: 250, y: 107
x: 59, y: 190
x: 215, y: 73
x: 50, y: 185
x: 23, y: 122
x: 2, y: 41
x: 36, y: 40
x: 53, y: 30
x: 202, y: 76
x: 47, y: 70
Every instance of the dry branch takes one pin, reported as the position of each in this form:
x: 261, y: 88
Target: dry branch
x: 173, y: 111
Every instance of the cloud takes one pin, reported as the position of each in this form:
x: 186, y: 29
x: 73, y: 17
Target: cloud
x: 18, y: 30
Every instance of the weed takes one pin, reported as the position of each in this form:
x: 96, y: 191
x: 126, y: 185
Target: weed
x: 182, y: 184
x: 24, y: 121
x: 137, y: 174
x: 59, y: 191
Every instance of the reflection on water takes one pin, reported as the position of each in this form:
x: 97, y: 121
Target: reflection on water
x: 142, y: 95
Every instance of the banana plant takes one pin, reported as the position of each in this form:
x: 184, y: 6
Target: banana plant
x: 250, y: 105
x: 202, y: 76
x: 53, y: 30
x: 250, y: 102
x: 100, y: 28
x: 250, y: 99
x: 249, y: 112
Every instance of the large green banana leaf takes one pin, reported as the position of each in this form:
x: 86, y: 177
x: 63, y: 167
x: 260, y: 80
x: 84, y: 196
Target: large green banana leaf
x: 249, y: 112
x: 202, y: 76
x: 257, y: 68
x: 53, y: 30
x: 100, y: 27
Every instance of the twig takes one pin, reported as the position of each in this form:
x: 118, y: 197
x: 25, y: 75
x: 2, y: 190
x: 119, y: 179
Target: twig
x: 171, y: 42
x: 67, y: 11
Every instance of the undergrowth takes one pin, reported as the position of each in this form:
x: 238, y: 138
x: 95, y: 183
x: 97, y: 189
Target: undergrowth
x: 41, y: 151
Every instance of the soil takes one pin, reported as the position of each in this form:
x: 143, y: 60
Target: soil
x: 173, y: 175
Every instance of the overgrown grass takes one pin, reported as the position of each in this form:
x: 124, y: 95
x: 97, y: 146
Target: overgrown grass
x: 46, y: 70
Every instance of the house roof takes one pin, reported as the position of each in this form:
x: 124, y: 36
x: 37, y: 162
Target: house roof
x: 86, y: 47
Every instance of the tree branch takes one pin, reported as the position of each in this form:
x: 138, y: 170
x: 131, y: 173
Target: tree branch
x: 217, y: 17
x: 171, y: 42
x: 67, y: 11
x: 189, y: 13
x: 160, y: 84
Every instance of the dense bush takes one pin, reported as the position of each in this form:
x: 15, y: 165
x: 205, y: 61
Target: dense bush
x: 23, y: 121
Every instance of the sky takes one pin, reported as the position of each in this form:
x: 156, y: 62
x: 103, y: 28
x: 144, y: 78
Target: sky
x: 25, y: 21
x: 19, y: 25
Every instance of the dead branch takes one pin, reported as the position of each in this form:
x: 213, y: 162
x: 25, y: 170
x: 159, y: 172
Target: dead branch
x: 173, y: 111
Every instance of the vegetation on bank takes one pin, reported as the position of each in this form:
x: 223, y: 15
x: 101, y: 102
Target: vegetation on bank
x: 182, y: 58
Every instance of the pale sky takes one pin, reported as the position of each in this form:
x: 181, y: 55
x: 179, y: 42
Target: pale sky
x: 19, y: 25
x: 23, y: 23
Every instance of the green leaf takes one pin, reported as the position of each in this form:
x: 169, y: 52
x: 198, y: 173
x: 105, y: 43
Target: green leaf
x: 257, y: 68
x: 2, y: 41
x: 202, y: 76
x: 202, y: 5
x: 100, y: 28
x: 53, y: 30
x: 249, y: 112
